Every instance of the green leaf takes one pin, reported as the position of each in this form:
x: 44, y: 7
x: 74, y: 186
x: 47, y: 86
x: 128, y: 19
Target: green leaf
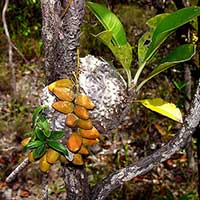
x: 145, y: 40
x: 180, y: 85
x: 40, y: 134
x: 178, y: 55
x: 110, y: 22
x: 122, y: 53
x: 143, y: 45
x: 187, y: 196
x: 161, y: 27
x: 44, y: 125
x: 169, y: 24
x: 39, y: 151
x: 162, y: 107
x: 153, y: 22
x: 58, y: 147
x: 36, y: 113
x: 32, y: 145
x: 55, y: 135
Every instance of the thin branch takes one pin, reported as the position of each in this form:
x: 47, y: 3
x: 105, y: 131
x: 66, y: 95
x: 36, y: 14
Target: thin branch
x: 17, y: 170
x: 10, y: 52
x: 114, y: 180
x: 19, y: 52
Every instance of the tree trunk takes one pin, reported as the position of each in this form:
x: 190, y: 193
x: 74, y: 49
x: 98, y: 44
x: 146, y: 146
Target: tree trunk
x: 60, y: 32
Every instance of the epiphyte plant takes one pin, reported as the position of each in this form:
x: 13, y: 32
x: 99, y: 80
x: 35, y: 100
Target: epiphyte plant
x: 160, y: 27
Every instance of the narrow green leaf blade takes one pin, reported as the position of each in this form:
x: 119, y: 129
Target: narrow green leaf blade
x: 36, y: 113
x: 40, y: 134
x: 180, y: 54
x: 110, y: 22
x: 44, y: 125
x: 55, y: 135
x: 122, y: 53
x: 143, y: 46
x: 39, y: 151
x: 58, y: 147
x: 32, y: 145
x: 145, y: 40
x: 162, y: 107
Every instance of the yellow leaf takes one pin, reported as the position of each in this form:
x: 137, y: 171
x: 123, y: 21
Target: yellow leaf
x: 162, y: 107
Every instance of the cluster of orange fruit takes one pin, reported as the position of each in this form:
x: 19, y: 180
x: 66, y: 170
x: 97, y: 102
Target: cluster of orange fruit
x: 84, y: 134
x: 76, y: 107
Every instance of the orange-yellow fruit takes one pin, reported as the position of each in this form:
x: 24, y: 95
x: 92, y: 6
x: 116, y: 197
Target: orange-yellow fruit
x: 74, y: 142
x: 52, y: 156
x: 84, y: 101
x: 61, y: 83
x: 90, y: 142
x: 44, y: 165
x: 77, y: 160
x: 85, y: 124
x: 71, y: 120
x: 64, y: 94
x: 63, y: 106
x: 83, y: 150
x: 81, y: 112
x: 63, y: 159
x: 89, y: 134
x: 30, y: 157
x: 25, y: 141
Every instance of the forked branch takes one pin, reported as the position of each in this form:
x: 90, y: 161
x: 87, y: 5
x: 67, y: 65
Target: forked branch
x: 114, y: 180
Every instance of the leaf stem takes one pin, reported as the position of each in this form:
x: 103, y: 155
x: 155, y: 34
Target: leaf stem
x: 137, y: 75
x: 129, y: 77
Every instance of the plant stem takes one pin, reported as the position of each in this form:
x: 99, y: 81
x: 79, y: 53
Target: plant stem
x: 137, y: 75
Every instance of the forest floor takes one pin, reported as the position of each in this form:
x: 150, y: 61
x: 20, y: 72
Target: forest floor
x: 175, y: 179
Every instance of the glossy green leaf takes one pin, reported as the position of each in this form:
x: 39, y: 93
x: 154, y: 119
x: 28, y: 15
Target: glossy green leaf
x: 58, y: 147
x: 143, y: 45
x: 110, y: 22
x: 178, y: 55
x: 32, y: 145
x: 36, y: 113
x: 39, y: 151
x: 145, y: 40
x: 55, y: 135
x: 169, y: 24
x: 162, y: 107
x: 122, y: 53
x: 154, y: 21
x: 44, y: 125
x: 40, y: 134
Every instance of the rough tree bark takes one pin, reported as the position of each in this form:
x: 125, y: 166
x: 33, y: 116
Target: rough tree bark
x: 60, y: 34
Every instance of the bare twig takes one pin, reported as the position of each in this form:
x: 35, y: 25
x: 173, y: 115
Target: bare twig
x: 19, y: 52
x: 10, y: 52
x: 114, y: 180
x: 17, y: 170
